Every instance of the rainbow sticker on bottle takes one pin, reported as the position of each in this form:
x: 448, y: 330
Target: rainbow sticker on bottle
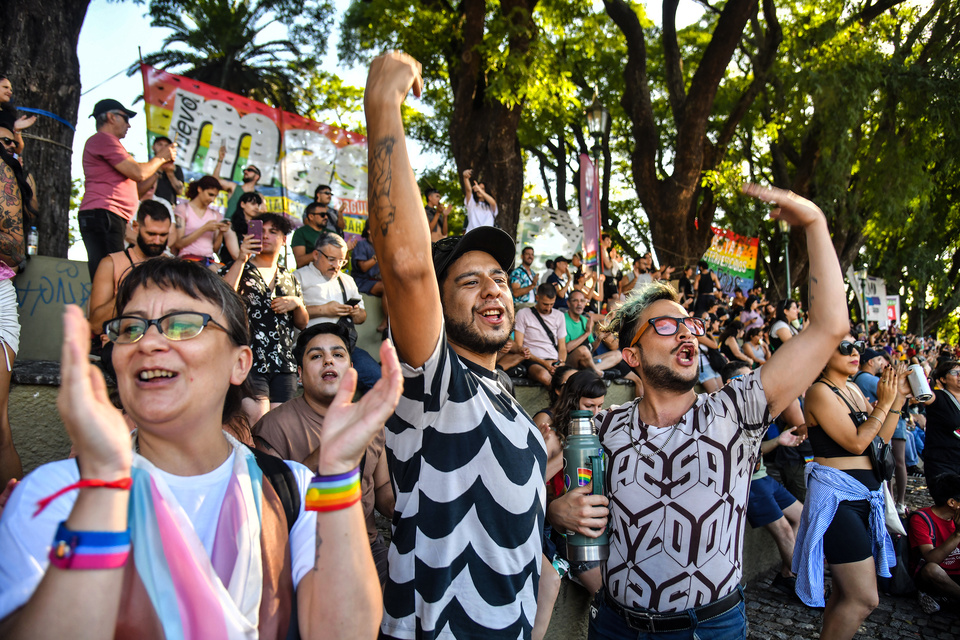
x: 584, y: 476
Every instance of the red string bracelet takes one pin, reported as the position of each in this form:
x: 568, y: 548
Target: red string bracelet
x: 122, y: 483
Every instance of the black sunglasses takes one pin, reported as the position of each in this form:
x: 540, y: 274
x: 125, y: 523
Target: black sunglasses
x: 8, y: 142
x: 846, y: 347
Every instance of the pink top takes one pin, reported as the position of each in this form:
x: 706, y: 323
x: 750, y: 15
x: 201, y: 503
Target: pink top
x: 105, y: 187
x: 202, y: 246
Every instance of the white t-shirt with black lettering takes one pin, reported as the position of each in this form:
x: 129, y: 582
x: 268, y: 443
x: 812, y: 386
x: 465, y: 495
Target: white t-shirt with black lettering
x: 678, y: 516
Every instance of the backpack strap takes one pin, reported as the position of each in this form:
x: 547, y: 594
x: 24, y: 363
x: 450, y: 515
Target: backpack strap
x: 284, y: 483
x: 926, y: 518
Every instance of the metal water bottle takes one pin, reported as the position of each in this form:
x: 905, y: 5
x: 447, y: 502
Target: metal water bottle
x: 583, y: 462
x: 32, y: 239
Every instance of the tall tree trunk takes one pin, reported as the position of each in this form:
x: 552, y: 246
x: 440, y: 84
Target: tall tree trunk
x: 679, y: 208
x: 40, y: 55
x: 483, y: 131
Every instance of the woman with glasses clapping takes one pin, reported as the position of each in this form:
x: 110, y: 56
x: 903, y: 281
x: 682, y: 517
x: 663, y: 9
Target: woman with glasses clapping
x: 181, y: 530
x: 843, y: 514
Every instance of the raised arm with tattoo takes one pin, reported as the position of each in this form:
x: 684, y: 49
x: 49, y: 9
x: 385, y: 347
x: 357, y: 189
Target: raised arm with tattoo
x: 398, y: 227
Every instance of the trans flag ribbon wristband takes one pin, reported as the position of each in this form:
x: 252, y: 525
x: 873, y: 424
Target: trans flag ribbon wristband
x: 332, y: 493
x: 89, y: 549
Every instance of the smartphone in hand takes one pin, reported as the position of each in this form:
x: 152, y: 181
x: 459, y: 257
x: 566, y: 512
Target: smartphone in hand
x: 255, y: 228
x: 353, y: 302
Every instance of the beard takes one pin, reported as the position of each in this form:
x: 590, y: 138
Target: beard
x: 660, y: 376
x: 150, y: 250
x: 467, y: 335
x: 250, y: 179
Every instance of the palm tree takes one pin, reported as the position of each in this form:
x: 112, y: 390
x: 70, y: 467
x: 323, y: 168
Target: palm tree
x: 217, y: 44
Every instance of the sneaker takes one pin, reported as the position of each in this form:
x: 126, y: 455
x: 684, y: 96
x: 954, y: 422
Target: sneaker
x: 901, y: 510
x: 915, y: 472
x: 927, y: 603
x: 785, y: 584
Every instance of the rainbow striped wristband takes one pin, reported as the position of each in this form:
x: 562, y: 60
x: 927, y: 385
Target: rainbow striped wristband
x: 332, y: 493
x: 89, y: 549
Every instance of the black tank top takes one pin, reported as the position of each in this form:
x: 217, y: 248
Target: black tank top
x: 823, y: 445
x: 705, y: 285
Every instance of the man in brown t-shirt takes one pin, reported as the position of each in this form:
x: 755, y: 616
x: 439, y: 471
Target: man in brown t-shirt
x: 292, y: 430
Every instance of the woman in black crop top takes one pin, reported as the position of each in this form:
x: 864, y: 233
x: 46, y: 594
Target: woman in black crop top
x: 840, y: 426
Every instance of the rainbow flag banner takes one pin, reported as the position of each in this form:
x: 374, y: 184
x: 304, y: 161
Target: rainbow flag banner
x: 294, y: 154
x: 590, y: 211
x: 734, y: 259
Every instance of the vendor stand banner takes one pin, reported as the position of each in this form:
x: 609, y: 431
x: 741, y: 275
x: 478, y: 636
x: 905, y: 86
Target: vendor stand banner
x: 734, y: 259
x: 294, y: 154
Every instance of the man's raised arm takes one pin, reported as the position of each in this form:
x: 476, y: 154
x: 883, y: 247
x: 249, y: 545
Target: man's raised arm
x: 797, y: 363
x: 398, y: 227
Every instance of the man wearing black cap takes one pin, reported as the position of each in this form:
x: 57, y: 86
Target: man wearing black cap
x: 466, y: 462
x: 251, y: 176
x: 110, y: 197
x: 169, y: 178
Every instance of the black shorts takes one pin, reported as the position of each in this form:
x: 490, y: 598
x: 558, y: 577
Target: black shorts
x: 279, y: 387
x: 847, y: 539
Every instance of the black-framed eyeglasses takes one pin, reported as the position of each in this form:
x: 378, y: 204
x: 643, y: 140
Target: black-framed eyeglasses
x: 954, y: 373
x: 179, y: 325
x: 331, y: 260
x: 847, y: 348
x: 669, y: 325
x: 8, y: 142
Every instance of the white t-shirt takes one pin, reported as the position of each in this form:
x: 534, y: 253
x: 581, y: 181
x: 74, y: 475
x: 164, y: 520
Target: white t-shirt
x: 479, y: 214
x: 678, y: 516
x: 25, y: 540
x: 318, y: 289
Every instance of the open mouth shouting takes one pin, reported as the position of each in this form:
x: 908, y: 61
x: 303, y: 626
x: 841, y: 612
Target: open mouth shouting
x: 687, y: 354
x: 493, y: 315
x: 330, y: 375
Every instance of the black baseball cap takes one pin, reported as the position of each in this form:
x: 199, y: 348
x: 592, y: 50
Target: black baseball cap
x: 111, y: 105
x: 490, y: 240
x: 869, y: 355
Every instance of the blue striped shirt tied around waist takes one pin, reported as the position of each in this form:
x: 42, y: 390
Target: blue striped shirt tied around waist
x: 826, y: 489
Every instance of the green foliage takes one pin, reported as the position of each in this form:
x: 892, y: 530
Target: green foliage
x: 219, y: 42
x: 76, y: 195
x: 324, y: 97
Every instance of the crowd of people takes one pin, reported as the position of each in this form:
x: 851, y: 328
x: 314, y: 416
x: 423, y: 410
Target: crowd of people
x: 209, y: 497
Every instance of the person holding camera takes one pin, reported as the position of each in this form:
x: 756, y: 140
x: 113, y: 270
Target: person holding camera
x: 331, y: 295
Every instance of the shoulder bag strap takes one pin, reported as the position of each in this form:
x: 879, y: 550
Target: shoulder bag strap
x: 543, y: 324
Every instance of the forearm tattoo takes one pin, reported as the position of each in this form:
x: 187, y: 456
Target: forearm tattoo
x: 382, y: 183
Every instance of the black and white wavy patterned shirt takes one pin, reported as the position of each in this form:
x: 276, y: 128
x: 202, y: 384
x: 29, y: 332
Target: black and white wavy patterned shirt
x: 467, y: 466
